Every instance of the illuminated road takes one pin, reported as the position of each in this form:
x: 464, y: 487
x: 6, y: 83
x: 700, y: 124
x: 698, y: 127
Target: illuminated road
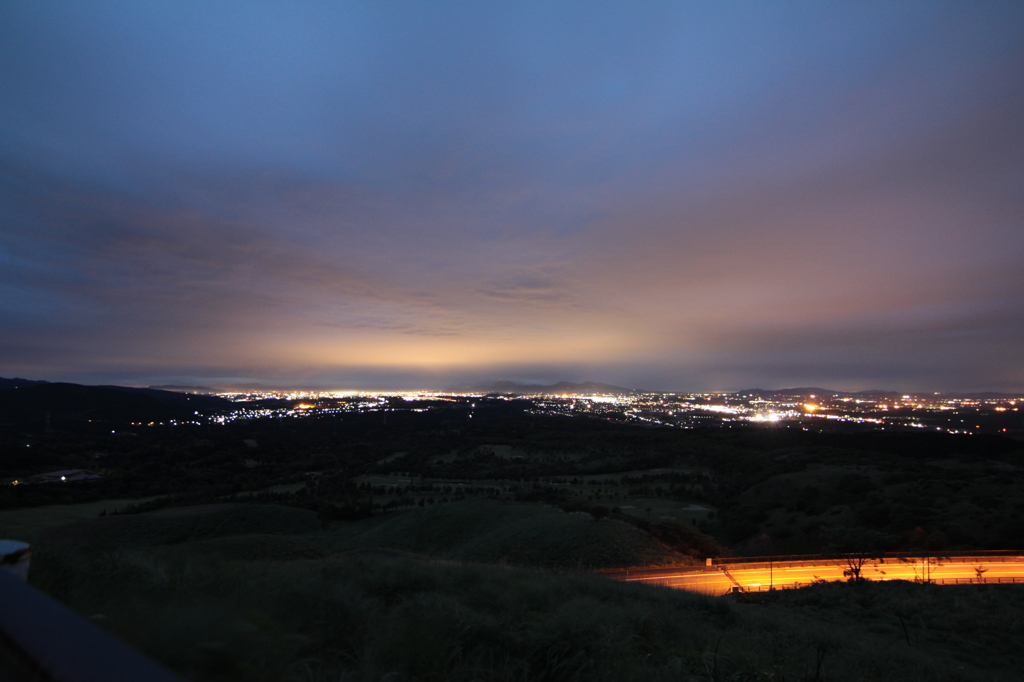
x: 782, y: 574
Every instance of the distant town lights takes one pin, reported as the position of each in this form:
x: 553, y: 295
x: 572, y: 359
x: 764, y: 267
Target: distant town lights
x: 770, y: 417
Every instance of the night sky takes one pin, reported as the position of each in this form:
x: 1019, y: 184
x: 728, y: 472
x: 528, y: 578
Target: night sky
x: 675, y: 196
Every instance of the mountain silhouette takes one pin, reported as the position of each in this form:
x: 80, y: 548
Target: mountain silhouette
x: 561, y: 388
x: 32, y: 404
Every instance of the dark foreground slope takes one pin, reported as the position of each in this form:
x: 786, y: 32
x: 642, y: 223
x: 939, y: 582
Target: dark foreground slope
x: 777, y: 490
x: 472, y: 561
x: 263, y: 593
x: 490, y: 531
x: 36, y: 405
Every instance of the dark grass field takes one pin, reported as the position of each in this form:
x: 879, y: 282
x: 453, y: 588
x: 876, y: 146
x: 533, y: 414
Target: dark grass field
x: 525, y: 534
x: 248, y: 592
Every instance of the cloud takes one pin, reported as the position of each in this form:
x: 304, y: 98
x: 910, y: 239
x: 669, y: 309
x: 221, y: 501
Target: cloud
x: 678, y: 195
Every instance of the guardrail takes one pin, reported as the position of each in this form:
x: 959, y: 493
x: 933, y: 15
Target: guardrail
x: 817, y: 558
x: 934, y: 560
x: 933, y: 581
x: 43, y: 641
x: 796, y: 560
x: 652, y: 574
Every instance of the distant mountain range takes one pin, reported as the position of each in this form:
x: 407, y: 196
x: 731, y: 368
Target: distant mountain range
x: 805, y: 392
x: 561, y: 388
x: 185, y: 389
x: 871, y: 393
x: 17, y: 383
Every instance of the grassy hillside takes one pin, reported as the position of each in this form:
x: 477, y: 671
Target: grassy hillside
x: 180, y: 525
x: 260, y: 593
x: 374, y: 619
x: 25, y: 522
x: 524, y: 534
x: 490, y: 531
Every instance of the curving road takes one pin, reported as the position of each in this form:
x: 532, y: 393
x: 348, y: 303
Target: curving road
x: 754, y: 577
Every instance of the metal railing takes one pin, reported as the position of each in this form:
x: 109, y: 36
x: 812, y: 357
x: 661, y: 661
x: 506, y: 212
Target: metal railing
x: 42, y: 640
x: 932, y: 581
x: 990, y: 554
x: 798, y: 560
x: 655, y: 575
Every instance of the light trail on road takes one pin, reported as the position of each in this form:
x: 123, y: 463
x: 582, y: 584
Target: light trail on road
x: 754, y: 577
